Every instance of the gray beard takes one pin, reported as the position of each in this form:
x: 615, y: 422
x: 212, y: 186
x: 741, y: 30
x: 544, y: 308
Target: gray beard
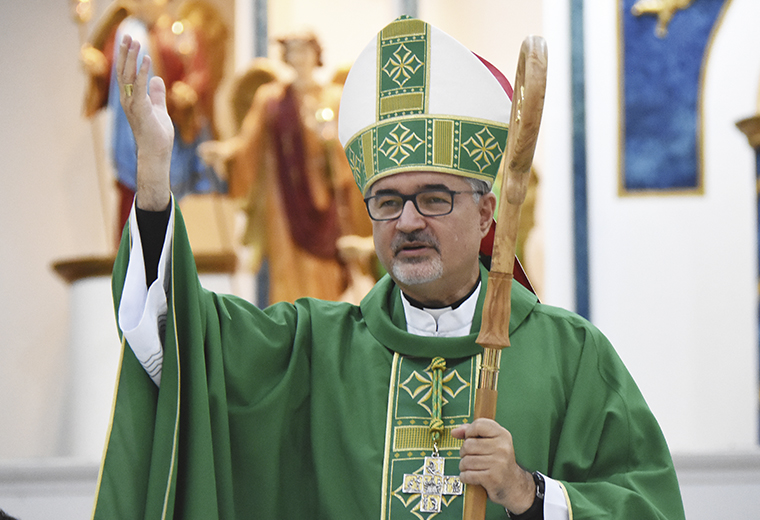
x: 417, y: 272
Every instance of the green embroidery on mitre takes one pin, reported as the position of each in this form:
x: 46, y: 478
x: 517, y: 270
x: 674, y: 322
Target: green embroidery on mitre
x: 436, y: 108
x: 403, y: 75
x: 413, y: 143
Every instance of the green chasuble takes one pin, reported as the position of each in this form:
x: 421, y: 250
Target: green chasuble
x: 318, y: 409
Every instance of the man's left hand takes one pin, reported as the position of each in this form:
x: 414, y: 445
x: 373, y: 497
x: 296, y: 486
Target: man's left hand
x: 488, y: 460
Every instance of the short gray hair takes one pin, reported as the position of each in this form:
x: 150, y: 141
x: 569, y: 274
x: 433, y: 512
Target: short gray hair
x: 479, y: 187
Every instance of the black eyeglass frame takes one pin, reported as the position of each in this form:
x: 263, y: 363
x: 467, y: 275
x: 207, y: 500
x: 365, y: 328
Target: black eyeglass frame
x: 413, y: 198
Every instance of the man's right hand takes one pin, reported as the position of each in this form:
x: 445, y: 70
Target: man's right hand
x: 151, y: 125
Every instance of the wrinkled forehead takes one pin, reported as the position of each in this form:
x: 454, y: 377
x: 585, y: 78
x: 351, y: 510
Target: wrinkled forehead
x: 408, y: 182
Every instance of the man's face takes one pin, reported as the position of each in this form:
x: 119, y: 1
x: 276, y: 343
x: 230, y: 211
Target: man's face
x: 433, y: 259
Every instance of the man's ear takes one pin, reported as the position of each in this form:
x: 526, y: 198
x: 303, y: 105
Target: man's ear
x: 487, y: 210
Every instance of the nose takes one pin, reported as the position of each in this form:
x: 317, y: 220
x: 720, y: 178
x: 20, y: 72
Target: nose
x: 410, y: 219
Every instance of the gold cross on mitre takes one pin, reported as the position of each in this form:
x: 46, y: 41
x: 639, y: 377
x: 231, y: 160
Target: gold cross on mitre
x: 432, y: 484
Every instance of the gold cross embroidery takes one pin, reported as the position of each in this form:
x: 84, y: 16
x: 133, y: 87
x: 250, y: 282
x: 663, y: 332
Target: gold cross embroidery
x: 432, y: 484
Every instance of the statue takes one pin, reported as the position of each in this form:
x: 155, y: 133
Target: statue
x: 187, y: 48
x: 287, y: 150
x: 663, y: 9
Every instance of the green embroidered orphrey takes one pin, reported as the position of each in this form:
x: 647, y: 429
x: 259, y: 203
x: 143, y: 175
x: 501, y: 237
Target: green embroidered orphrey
x: 433, y: 483
x: 417, y: 427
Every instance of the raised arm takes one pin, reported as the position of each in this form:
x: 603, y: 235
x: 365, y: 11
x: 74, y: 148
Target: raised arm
x: 145, y: 108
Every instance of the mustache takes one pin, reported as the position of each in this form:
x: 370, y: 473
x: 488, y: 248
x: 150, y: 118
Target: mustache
x: 414, y: 239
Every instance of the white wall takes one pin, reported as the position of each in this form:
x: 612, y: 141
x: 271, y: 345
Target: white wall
x: 343, y: 27
x: 492, y: 28
x: 49, y: 209
x: 673, y: 277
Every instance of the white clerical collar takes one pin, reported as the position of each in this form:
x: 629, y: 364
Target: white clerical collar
x: 445, y: 322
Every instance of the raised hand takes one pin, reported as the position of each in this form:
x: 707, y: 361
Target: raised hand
x: 151, y: 125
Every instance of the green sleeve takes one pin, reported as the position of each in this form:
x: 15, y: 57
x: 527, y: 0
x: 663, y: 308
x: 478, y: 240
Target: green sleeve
x: 577, y: 416
x: 171, y: 451
x: 611, y: 454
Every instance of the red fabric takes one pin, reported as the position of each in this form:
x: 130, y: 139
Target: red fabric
x: 126, y: 197
x: 501, y: 78
x: 486, y: 245
x: 314, y: 229
x: 521, y: 276
x: 486, y: 249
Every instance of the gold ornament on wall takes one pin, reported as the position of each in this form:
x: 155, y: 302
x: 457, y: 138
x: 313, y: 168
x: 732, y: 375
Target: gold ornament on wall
x: 663, y: 9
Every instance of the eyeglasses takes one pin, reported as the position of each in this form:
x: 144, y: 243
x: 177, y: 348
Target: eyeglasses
x: 429, y: 203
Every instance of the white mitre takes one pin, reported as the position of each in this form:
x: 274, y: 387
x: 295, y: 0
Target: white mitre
x: 417, y: 99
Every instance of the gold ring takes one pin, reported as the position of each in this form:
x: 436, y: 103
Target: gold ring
x: 128, y: 89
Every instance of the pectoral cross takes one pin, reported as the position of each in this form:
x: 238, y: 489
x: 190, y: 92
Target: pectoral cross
x: 432, y: 484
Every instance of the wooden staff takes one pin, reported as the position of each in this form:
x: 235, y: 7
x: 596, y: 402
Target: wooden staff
x: 525, y: 120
